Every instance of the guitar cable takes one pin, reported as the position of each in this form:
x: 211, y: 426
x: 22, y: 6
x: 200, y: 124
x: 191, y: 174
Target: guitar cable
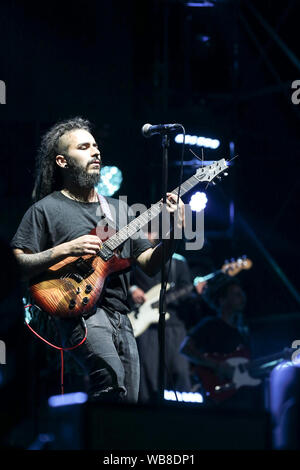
x: 60, y: 348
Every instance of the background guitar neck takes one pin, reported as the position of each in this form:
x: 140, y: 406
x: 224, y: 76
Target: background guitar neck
x: 172, y: 296
x: 208, y: 276
x: 270, y: 361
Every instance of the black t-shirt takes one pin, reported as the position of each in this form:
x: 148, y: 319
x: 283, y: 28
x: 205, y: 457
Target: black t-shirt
x: 57, y: 219
x: 213, y: 335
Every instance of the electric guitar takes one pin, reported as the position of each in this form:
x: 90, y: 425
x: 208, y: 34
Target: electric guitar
x: 148, y: 313
x: 242, y: 371
x: 73, y: 286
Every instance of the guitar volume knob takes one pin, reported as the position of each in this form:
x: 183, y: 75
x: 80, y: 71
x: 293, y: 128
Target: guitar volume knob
x: 85, y: 300
x: 72, y: 304
x: 88, y: 288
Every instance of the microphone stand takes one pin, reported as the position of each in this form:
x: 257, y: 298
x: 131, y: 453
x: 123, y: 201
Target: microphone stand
x: 162, y: 303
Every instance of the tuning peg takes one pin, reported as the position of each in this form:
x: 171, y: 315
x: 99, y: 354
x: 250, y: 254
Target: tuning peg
x: 213, y: 183
x: 225, y: 174
x: 219, y: 177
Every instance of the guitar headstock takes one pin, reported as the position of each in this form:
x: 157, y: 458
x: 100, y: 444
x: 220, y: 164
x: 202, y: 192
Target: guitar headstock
x: 236, y: 266
x: 209, y: 172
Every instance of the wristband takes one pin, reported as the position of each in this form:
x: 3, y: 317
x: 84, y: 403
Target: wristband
x: 132, y: 289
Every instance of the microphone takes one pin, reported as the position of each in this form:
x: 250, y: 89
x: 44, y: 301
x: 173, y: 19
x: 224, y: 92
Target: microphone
x: 148, y: 130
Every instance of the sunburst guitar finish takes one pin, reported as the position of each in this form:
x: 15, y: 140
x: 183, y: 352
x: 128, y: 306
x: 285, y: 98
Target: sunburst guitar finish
x: 70, y: 288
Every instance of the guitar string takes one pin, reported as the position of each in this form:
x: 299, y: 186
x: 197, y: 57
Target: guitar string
x: 150, y: 215
x: 144, y: 218
x: 186, y: 186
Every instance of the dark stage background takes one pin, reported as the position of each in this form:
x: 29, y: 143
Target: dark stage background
x: 223, y: 71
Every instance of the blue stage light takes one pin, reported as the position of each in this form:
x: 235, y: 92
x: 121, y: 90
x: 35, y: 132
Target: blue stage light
x: 198, y: 201
x: 67, y: 399
x: 111, y: 179
x: 200, y: 4
x: 203, y: 38
x: 187, y: 397
x: 206, y: 142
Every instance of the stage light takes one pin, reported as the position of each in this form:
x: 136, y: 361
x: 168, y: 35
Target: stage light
x: 187, y: 397
x: 192, y: 139
x: 200, y: 4
x: 200, y: 141
x: 203, y: 38
x: 198, y: 201
x: 111, y: 179
x: 67, y: 399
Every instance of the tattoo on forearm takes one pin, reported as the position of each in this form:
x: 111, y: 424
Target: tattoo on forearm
x: 31, y: 264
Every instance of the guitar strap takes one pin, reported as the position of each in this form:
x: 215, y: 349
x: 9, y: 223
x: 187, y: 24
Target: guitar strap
x: 115, y: 224
x: 105, y: 207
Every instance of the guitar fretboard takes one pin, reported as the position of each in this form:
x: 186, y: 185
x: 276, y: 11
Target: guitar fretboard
x: 133, y: 227
x: 173, y: 296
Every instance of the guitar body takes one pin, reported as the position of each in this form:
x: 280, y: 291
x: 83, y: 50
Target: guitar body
x: 148, y: 312
x: 73, y: 286
x: 242, y: 369
x: 219, y: 390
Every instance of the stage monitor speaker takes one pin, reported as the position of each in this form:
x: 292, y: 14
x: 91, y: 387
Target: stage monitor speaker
x: 168, y: 427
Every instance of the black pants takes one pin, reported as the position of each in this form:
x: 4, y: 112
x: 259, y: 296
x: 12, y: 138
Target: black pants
x: 177, y: 376
x: 109, y: 354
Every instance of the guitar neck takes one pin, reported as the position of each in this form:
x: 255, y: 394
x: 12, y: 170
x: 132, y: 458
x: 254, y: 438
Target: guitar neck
x: 208, y: 276
x: 269, y: 361
x: 172, y: 296
x: 133, y: 227
x: 175, y: 295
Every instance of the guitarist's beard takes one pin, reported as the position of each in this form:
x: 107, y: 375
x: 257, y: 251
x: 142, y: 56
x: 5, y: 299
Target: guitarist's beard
x: 80, y: 177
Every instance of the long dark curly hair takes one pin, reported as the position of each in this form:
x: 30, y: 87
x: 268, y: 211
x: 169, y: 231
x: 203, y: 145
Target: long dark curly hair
x: 48, y: 176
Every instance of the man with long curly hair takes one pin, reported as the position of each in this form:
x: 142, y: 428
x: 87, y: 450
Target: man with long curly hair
x: 57, y: 225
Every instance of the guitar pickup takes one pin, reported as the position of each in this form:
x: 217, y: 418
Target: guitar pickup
x: 83, y: 268
x: 77, y: 278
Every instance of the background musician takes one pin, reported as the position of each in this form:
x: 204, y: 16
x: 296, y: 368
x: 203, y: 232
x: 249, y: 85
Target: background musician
x: 222, y: 334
